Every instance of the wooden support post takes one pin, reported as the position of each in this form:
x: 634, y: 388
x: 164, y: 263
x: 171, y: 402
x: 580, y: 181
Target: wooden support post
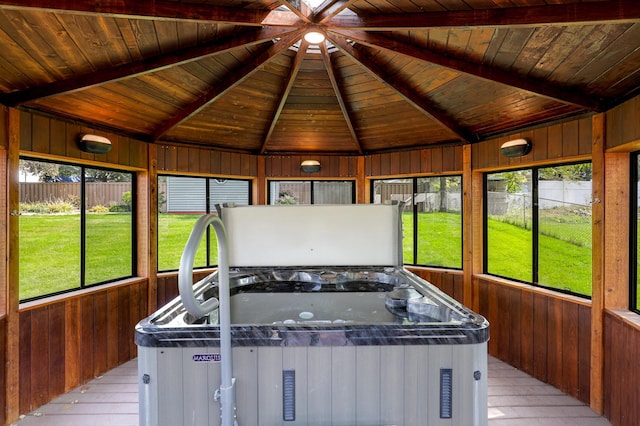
x: 148, y: 214
x: 617, y: 176
x: 468, y: 226
x: 260, y: 190
x: 598, y: 238
x: 10, y: 208
x: 363, y: 193
x: 476, y: 257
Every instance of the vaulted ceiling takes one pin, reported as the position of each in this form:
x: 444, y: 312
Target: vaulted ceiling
x: 391, y: 75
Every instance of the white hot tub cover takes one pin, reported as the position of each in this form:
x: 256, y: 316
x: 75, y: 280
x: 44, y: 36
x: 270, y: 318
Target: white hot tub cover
x: 314, y: 235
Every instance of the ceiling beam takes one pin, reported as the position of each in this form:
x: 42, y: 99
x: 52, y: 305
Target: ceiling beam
x: 357, y: 54
x: 582, y: 13
x: 329, y: 9
x: 493, y: 74
x: 284, y: 94
x: 299, y: 8
x: 232, y: 79
x: 338, y: 91
x: 161, y: 9
x: 144, y: 66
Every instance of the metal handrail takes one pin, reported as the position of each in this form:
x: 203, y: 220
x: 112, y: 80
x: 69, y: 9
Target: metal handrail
x: 199, y: 309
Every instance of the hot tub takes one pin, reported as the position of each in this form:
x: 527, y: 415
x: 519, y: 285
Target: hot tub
x: 345, y: 344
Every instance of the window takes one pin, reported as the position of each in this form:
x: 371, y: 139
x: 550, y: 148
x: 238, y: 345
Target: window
x: 509, y: 237
x: 181, y: 201
x: 634, y: 292
x: 76, y: 227
x: 432, y: 218
x: 538, y: 226
x: 311, y: 192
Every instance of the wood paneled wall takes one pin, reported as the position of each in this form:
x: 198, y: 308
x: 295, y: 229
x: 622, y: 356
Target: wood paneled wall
x: 172, y: 158
x: 4, y: 135
x: 622, y: 372
x: 331, y: 166
x: 179, y: 159
x: 563, y: 141
x: 623, y: 125
x: 46, y: 136
x: 3, y: 361
x: 538, y: 332
x: 168, y: 286
x: 67, y: 343
x: 450, y: 282
x: 542, y: 334
x: 446, y: 159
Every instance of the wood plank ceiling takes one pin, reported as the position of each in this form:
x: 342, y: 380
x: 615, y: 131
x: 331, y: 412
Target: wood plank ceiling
x: 392, y: 74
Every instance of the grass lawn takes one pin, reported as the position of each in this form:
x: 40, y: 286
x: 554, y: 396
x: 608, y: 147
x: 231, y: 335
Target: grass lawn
x: 509, y: 251
x: 439, y: 239
x: 49, y: 254
x: 50, y: 250
x: 562, y: 264
x: 173, y: 233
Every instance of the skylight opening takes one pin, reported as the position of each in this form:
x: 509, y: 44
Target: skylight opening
x: 314, y: 49
x: 313, y: 4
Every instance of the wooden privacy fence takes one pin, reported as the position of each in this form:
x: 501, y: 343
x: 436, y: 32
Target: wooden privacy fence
x: 97, y: 193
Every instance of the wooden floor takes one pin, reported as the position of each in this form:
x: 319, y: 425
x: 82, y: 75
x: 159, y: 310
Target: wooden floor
x: 515, y: 399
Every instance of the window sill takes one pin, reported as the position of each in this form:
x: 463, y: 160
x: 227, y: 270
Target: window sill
x: 80, y: 293
x: 627, y: 317
x: 535, y: 289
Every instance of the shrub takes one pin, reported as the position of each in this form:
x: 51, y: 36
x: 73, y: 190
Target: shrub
x: 40, y: 208
x: 286, y: 198
x: 99, y: 209
x: 74, y: 200
x: 49, y: 207
x: 127, y: 199
x: 119, y: 208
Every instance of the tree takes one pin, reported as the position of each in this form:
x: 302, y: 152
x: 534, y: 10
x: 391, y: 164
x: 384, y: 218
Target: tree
x: 443, y: 193
x: 48, y: 172
x: 574, y: 172
x: 98, y: 175
x: 515, y: 180
x: 53, y: 172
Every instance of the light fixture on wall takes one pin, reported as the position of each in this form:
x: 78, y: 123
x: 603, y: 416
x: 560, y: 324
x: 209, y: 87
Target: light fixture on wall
x: 310, y: 166
x: 94, y: 144
x: 314, y: 36
x: 515, y: 148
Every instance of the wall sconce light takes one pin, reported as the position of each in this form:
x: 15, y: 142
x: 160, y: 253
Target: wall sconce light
x: 310, y: 166
x: 516, y: 148
x: 95, y: 144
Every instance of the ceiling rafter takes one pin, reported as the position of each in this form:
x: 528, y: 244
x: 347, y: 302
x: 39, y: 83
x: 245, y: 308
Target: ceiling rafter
x: 560, y: 14
x: 589, y: 48
x: 356, y: 53
x: 162, y: 9
x: 144, y: 66
x: 329, y: 9
x: 232, y: 79
x: 298, y: 7
x: 284, y: 94
x: 338, y: 91
x: 477, y: 70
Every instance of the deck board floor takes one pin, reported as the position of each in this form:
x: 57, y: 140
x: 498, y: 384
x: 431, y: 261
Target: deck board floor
x: 515, y: 399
